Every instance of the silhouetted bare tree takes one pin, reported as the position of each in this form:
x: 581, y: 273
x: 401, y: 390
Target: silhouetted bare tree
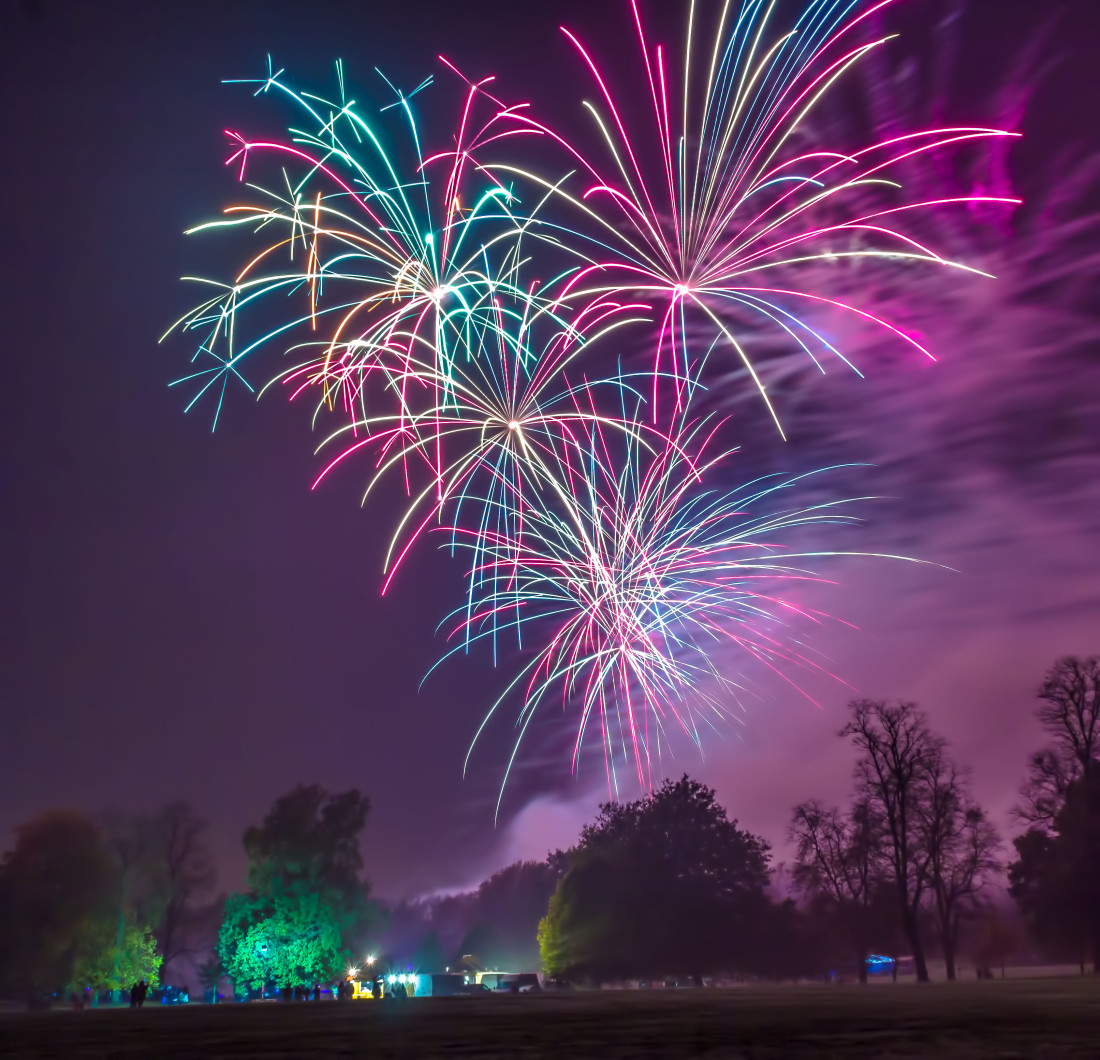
x: 898, y: 749
x: 1070, y: 715
x: 184, y: 876
x: 840, y: 858
x: 960, y: 845
x: 166, y: 876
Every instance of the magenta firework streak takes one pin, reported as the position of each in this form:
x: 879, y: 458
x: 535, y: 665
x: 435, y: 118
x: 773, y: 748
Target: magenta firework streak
x: 468, y: 321
x: 698, y: 205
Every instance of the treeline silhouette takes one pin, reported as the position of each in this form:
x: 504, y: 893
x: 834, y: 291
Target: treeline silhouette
x: 664, y: 887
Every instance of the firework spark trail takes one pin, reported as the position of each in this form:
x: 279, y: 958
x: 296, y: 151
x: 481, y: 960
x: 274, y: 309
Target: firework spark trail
x: 505, y: 419
x: 383, y: 261
x: 736, y: 196
x: 592, y: 501
x: 1013, y: 403
x: 632, y: 586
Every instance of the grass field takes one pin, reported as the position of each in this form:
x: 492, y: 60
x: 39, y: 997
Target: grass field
x: 1013, y: 1018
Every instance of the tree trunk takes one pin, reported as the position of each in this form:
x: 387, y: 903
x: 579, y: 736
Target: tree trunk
x: 912, y: 933
x: 947, y: 941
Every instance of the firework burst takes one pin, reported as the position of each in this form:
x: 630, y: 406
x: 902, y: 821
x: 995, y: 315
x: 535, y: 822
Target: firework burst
x: 633, y: 580
x: 702, y: 206
x: 473, y: 340
x: 381, y: 258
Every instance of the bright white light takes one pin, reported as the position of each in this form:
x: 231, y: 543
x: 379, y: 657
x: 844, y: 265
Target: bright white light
x: 370, y: 958
x: 513, y: 425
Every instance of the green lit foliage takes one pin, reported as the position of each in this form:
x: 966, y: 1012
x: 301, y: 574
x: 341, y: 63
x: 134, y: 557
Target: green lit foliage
x: 296, y: 940
x: 110, y: 958
x: 307, y: 906
x: 597, y: 923
x: 552, y: 954
x: 247, y: 941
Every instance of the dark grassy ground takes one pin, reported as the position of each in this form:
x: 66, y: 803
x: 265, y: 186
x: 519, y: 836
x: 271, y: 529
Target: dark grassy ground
x: 1037, y: 1018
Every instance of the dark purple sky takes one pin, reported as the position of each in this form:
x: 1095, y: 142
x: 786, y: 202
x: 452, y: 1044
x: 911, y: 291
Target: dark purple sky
x: 185, y: 619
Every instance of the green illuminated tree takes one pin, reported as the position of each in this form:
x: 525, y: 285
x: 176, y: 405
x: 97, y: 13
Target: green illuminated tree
x: 307, y: 907
x: 109, y: 960
x: 552, y: 953
x: 596, y: 924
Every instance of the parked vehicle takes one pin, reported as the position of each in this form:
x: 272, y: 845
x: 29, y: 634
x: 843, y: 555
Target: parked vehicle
x: 524, y: 983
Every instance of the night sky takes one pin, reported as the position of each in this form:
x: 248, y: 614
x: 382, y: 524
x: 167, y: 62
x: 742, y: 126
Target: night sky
x: 183, y: 618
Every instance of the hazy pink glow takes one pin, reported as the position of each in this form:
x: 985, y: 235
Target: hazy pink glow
x: 699, y: 260
x: 968, y: 647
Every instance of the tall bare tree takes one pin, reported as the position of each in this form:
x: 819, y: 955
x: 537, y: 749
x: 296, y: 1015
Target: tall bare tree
x: 840, y: 858
x: 183, y: 877
x: 960, y: 845
x: 167, y: 873
x: 897, y: 748
x: 1069, y: 713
